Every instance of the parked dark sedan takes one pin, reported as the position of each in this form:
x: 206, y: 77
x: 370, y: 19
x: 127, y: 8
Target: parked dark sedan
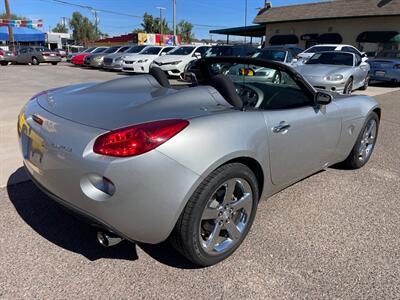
x: 231, y: 50
x: 36, y: 55
x: 284, y: 54
x: 386, y: 66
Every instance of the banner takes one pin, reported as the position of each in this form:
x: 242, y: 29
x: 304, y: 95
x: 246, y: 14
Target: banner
x: 22, y: 23
x: 157, y: 39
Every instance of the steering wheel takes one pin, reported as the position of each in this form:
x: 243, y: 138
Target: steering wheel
x: 250, y: 95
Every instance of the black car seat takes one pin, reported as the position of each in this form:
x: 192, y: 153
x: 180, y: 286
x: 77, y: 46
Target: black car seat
x: 160, y: 76
x: 227, y: 89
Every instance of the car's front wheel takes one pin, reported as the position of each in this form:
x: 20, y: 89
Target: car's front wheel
x: 54, y: 63
x: 365, y: 144
x: 34, y: 61
x: 366, y: 83
x: 348, y: 87
x: 4, y: 63
x: 218, y: 216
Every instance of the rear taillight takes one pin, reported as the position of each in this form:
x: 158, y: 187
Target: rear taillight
x: 138, y: 139
x: 1, y: 52
x: 45, y: 53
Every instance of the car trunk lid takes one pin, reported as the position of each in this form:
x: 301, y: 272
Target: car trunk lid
x: 123, y: 102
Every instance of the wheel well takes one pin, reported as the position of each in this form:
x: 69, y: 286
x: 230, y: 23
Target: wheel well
x: 254, y: 166
x: 378, y: 112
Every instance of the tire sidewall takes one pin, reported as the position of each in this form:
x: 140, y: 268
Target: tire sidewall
x: 356, y: 163
x: 35, y: 61
x: 235, y: 170
x: 346, y: 87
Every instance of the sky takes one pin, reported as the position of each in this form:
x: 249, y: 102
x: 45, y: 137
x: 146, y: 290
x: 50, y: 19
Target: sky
x: 215, y: 14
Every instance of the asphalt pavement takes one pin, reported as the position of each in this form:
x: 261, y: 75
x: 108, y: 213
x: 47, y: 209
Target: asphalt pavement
x: 334, y: 235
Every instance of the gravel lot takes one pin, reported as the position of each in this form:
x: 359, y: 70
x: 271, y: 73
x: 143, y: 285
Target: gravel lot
x: 332, y: 235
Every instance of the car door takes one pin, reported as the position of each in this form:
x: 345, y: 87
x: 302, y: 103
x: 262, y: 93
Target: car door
x: 20, y: 56
x: 302, y: 137
x: 361, y: 71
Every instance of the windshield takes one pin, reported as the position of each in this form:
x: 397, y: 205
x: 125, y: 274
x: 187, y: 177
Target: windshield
x: 43, y: 49
x: 112, y: 49
x: 135, y: 49
x: 320, y: 49
x: 123, y: 49
x: 389, y: 54
x: 219, y: 51
x: 88, y: 50
x: 151, y: 51
x: 99, y: 50
x: 277, y: 55
x: 331, y: 58
x: 181, y: 51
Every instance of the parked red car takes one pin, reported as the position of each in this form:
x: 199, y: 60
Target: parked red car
x: 79, y: 58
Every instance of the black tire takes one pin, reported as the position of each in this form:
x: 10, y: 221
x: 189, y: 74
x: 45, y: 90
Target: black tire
x: 185, y: 236
x: 366, y: 83
x: 348, y: 87
x: 54, y: 63
x: 353, y: 161
x: 34, y: 61
x: 4, y: 63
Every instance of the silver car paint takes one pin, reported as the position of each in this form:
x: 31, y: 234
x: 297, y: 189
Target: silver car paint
x: 148, y: 200
x: 315, y: 74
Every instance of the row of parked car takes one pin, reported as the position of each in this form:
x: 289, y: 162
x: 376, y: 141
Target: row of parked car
x: 337, y: 68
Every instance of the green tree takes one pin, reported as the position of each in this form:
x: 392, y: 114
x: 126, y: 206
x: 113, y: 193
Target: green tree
x: 152, y: 25
x: 82, y: 29
x: 185, y: 30
x: 3, y: 15
x: 61, y: 28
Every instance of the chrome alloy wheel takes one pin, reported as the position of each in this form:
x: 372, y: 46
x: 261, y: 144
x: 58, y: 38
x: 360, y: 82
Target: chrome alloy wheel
x: 226, y: 216
x: 367, y: 141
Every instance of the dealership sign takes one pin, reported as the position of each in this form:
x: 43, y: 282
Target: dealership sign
x: 22, y: 23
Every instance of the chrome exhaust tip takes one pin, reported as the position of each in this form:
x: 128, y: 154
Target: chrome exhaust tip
x: 108, y: 239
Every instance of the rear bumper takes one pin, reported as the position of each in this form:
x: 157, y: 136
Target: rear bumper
x: 150, y: 190
x: 51, y: 59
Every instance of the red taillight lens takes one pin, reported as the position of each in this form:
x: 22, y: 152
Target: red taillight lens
x: 1, y: 52
x: 138, y: 139
x: 45, y: 53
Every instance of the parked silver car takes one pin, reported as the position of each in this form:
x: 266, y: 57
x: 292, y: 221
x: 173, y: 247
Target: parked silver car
x: 6, y: 57
x: 36, y: 55
x: 96, y: 59
x: 148, y: 162
x: 114, y: 61
x: 336, y: 71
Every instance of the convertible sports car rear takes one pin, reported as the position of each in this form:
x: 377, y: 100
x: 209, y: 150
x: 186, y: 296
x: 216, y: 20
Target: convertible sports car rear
x: 148, y: 162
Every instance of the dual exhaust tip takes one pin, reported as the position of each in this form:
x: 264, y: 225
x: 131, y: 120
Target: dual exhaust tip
x: 108, y: 239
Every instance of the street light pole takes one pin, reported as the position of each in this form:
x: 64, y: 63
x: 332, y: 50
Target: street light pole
x: 161, y: 24
x: 174, y: 19
x: 10, y: 29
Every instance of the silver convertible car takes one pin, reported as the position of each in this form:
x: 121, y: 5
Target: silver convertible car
x: 336, y: 71
x: 146, y: 162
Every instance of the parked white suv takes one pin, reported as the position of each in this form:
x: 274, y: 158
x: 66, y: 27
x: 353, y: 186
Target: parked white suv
x: 305, y: 55
x: 175, y: 61
x: 141, y: 62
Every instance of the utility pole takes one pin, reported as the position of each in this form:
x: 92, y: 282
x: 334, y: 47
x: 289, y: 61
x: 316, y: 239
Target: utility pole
x: 161, y: 24
x: 96, y: 23
x: 10, y: 29
x: 174, y: 19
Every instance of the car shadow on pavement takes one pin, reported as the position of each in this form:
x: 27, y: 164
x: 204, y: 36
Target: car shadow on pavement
x: 63, y: 229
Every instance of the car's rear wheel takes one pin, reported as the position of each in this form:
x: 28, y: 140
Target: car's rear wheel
x: 218, y: 216
x: 54, y: 63
x: 365, y: 144
x: 34, y: 61
x: 366, y: 83
x: 4, y: 63
x: 348, y: 87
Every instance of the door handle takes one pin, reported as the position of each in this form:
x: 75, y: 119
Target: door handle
x: 282, y: 127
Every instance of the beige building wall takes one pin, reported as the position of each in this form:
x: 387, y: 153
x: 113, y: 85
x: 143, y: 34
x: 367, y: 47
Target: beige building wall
x: 349, y: 29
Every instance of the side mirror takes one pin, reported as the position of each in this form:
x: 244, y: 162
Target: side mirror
x: 189, y: 77
x: 197, y: 55
x: 322, y: 98
x: 163, y: 53
x: 295, y: 60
